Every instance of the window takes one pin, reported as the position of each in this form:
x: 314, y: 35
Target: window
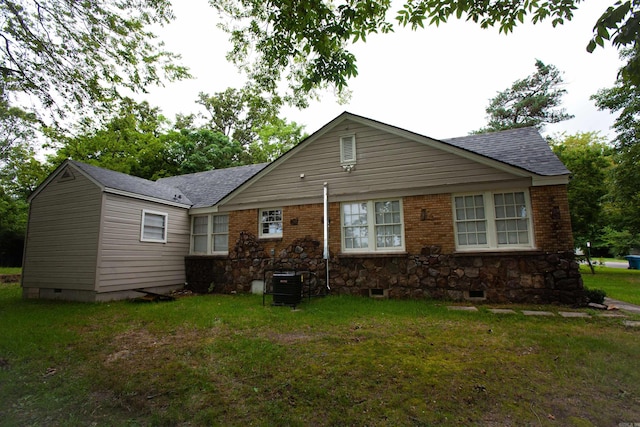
x: 384, y: 224
x: 493, y: 220
x: 271, y: 223
x: 210, y: 234
x: 200, y: 235
x: 348, y: 150
x: 220, y: 234
x: 154, y: 227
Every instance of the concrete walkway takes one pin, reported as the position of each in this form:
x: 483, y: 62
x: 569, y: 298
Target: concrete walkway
x: 625, y: 306
x: 616, y: 309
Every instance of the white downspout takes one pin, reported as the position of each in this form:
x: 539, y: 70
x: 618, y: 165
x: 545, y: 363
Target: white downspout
x: 325, y: 252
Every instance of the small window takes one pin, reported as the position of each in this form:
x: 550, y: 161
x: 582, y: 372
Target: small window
x: 271, y: 223
x: 348, y: 149
x: 154, y: 227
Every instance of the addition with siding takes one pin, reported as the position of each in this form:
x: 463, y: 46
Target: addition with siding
x: 481, y: 217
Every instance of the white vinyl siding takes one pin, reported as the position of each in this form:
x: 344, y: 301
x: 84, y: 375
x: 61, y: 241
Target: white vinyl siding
x: 372, y: 226
x: 493, y: 220
x: 127, y: 263
x: 348, y: 150
x: 210, y: 234
x: 388, y: 166
x: 270, y: 223
x: 55, y: 257
x: 154, y: 227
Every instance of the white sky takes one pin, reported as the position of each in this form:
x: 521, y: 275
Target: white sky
x: 435, y: 81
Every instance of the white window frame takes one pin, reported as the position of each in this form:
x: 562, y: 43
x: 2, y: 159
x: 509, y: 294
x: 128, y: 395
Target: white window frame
x: 490, y: 220
x: 371, y: 228
x: 351, y: 140
x: 206, y: 235
x: 269, y: 235
x: 143, y: 225
x: 212, y: 249
x: 209, y: 235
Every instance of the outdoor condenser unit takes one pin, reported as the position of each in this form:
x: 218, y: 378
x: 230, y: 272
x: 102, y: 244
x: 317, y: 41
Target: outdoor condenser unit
x: 287, y: 288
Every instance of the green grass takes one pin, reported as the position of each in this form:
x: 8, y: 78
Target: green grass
x: 227, y: 360
x: 619, y: 283
x: 10, y: 270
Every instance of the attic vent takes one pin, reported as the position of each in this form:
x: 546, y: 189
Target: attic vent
x: 67, y: 175
x: 348, y: 149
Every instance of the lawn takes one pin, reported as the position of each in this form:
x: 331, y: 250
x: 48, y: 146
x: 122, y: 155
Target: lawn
x: 619, y: 283
x: 336, y: 361
x: 10, y: 270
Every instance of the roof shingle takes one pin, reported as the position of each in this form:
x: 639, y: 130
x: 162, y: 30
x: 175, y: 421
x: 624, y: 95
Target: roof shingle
x: 524, y: 148
x: 208, y: 188
x: 133, y: 184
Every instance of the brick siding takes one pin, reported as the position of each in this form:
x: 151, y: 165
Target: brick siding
x: 429, y: 268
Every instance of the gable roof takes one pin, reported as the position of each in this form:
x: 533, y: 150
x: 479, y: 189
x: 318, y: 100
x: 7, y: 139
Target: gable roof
x: 523, y: 148
x: 208, y: 188
x: 112, y: 181
x: 522, y: 152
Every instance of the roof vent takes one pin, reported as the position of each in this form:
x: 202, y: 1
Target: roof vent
x: 67, y: 175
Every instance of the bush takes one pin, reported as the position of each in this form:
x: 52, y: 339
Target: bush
x: 595, y: 295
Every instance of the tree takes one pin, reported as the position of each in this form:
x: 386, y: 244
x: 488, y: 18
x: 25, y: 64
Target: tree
x: 624, y: 99
x: 307, y: 42
x: 20, y: 174
x: 129, y: 142
x: 197, y: 150
x: 588, y: 157
x: 17, y: 128
x: 69, y: 55
x: 532, y: 101
x: 251, y: 120
x: 274, y: 140
x: 238, y: 113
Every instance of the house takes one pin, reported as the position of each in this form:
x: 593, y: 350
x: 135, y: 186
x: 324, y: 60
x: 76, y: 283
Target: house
x: 481, y: 217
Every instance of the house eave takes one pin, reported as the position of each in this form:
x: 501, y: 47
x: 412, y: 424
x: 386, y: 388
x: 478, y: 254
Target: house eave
x: 145, y: 198
x: 539, y: 181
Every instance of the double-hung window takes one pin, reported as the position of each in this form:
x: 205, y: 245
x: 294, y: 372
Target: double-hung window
x: 210, y: 234
x: 270, y: 223
x: 154, y: 227
x: 493, y: 220
x: 372, y: 226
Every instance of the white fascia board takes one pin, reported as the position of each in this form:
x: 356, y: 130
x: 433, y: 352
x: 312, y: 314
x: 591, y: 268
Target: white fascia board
x: 539, y: 180
x: 146, y: 198
x: 202, y: 211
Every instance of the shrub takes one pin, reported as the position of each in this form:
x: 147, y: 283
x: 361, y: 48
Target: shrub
x: 595, y: 295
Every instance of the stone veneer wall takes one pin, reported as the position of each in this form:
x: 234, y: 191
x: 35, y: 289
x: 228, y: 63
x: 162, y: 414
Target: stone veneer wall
x: 430, y: 268
x: 531, y: 277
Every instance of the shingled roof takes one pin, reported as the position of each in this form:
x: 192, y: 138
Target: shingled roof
x: 131, y: 184
x: 208, y: 188
x: 524, y: 148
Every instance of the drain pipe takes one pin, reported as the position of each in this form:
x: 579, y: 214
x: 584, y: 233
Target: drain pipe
x: 325, y: 252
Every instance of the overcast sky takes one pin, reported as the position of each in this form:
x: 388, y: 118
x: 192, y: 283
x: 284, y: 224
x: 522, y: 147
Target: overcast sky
x: 435, y: 81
